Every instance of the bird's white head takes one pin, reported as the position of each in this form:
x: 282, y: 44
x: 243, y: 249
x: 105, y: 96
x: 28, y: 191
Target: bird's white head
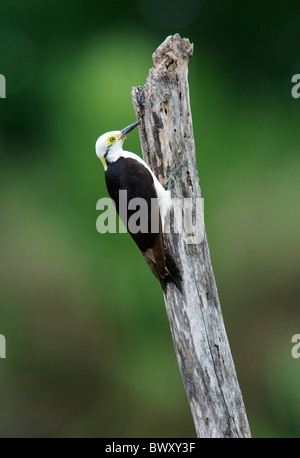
x: 109, y: 145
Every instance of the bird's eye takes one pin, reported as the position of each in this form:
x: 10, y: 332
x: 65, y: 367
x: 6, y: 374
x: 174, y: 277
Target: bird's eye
x: 112, y: 140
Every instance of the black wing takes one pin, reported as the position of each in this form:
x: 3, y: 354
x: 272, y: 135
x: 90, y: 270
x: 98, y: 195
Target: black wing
x: 131, y: 176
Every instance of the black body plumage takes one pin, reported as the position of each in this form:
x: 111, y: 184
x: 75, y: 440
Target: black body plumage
x: 132, y: 176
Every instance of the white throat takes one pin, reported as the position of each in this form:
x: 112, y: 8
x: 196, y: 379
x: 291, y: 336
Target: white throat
x: 114, y: 153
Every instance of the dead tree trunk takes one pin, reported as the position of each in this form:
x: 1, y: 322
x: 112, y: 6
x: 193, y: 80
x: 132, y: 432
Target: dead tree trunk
x: 195, y: 317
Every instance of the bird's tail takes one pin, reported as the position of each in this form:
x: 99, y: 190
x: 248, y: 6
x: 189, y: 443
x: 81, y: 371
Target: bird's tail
x: 173, y: 273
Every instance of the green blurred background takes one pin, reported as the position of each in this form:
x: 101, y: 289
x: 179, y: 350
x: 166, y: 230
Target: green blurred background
x: 89, y: 350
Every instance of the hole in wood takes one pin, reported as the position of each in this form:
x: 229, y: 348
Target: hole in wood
x: 165, y: 107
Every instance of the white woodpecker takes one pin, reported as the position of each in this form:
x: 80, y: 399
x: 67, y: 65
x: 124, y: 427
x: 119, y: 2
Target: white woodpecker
x: 126, y: 171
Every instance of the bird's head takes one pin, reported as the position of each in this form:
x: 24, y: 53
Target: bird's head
x: 109, y: 145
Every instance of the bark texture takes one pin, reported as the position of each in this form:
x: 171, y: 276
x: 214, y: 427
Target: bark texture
x: 195, y: 317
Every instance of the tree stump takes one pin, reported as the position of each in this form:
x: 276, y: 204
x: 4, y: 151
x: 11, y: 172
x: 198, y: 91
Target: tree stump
x: 196, y: 321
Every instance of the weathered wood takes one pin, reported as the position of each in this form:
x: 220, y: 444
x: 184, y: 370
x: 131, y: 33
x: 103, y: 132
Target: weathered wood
x: 195, y: 317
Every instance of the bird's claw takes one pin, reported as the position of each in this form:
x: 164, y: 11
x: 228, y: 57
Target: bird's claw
x: 170, y: 182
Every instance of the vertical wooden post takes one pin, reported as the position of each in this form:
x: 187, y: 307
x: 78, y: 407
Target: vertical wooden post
x: 195, y: 317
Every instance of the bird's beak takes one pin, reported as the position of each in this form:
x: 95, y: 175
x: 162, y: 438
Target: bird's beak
x: 128, y: 129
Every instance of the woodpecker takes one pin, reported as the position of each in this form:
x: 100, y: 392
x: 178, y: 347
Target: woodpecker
x: 126, y: 171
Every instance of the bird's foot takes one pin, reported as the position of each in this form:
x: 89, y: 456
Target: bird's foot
x: 170, y: 182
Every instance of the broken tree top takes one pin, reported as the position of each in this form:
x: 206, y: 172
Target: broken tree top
x: 167, y: 53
